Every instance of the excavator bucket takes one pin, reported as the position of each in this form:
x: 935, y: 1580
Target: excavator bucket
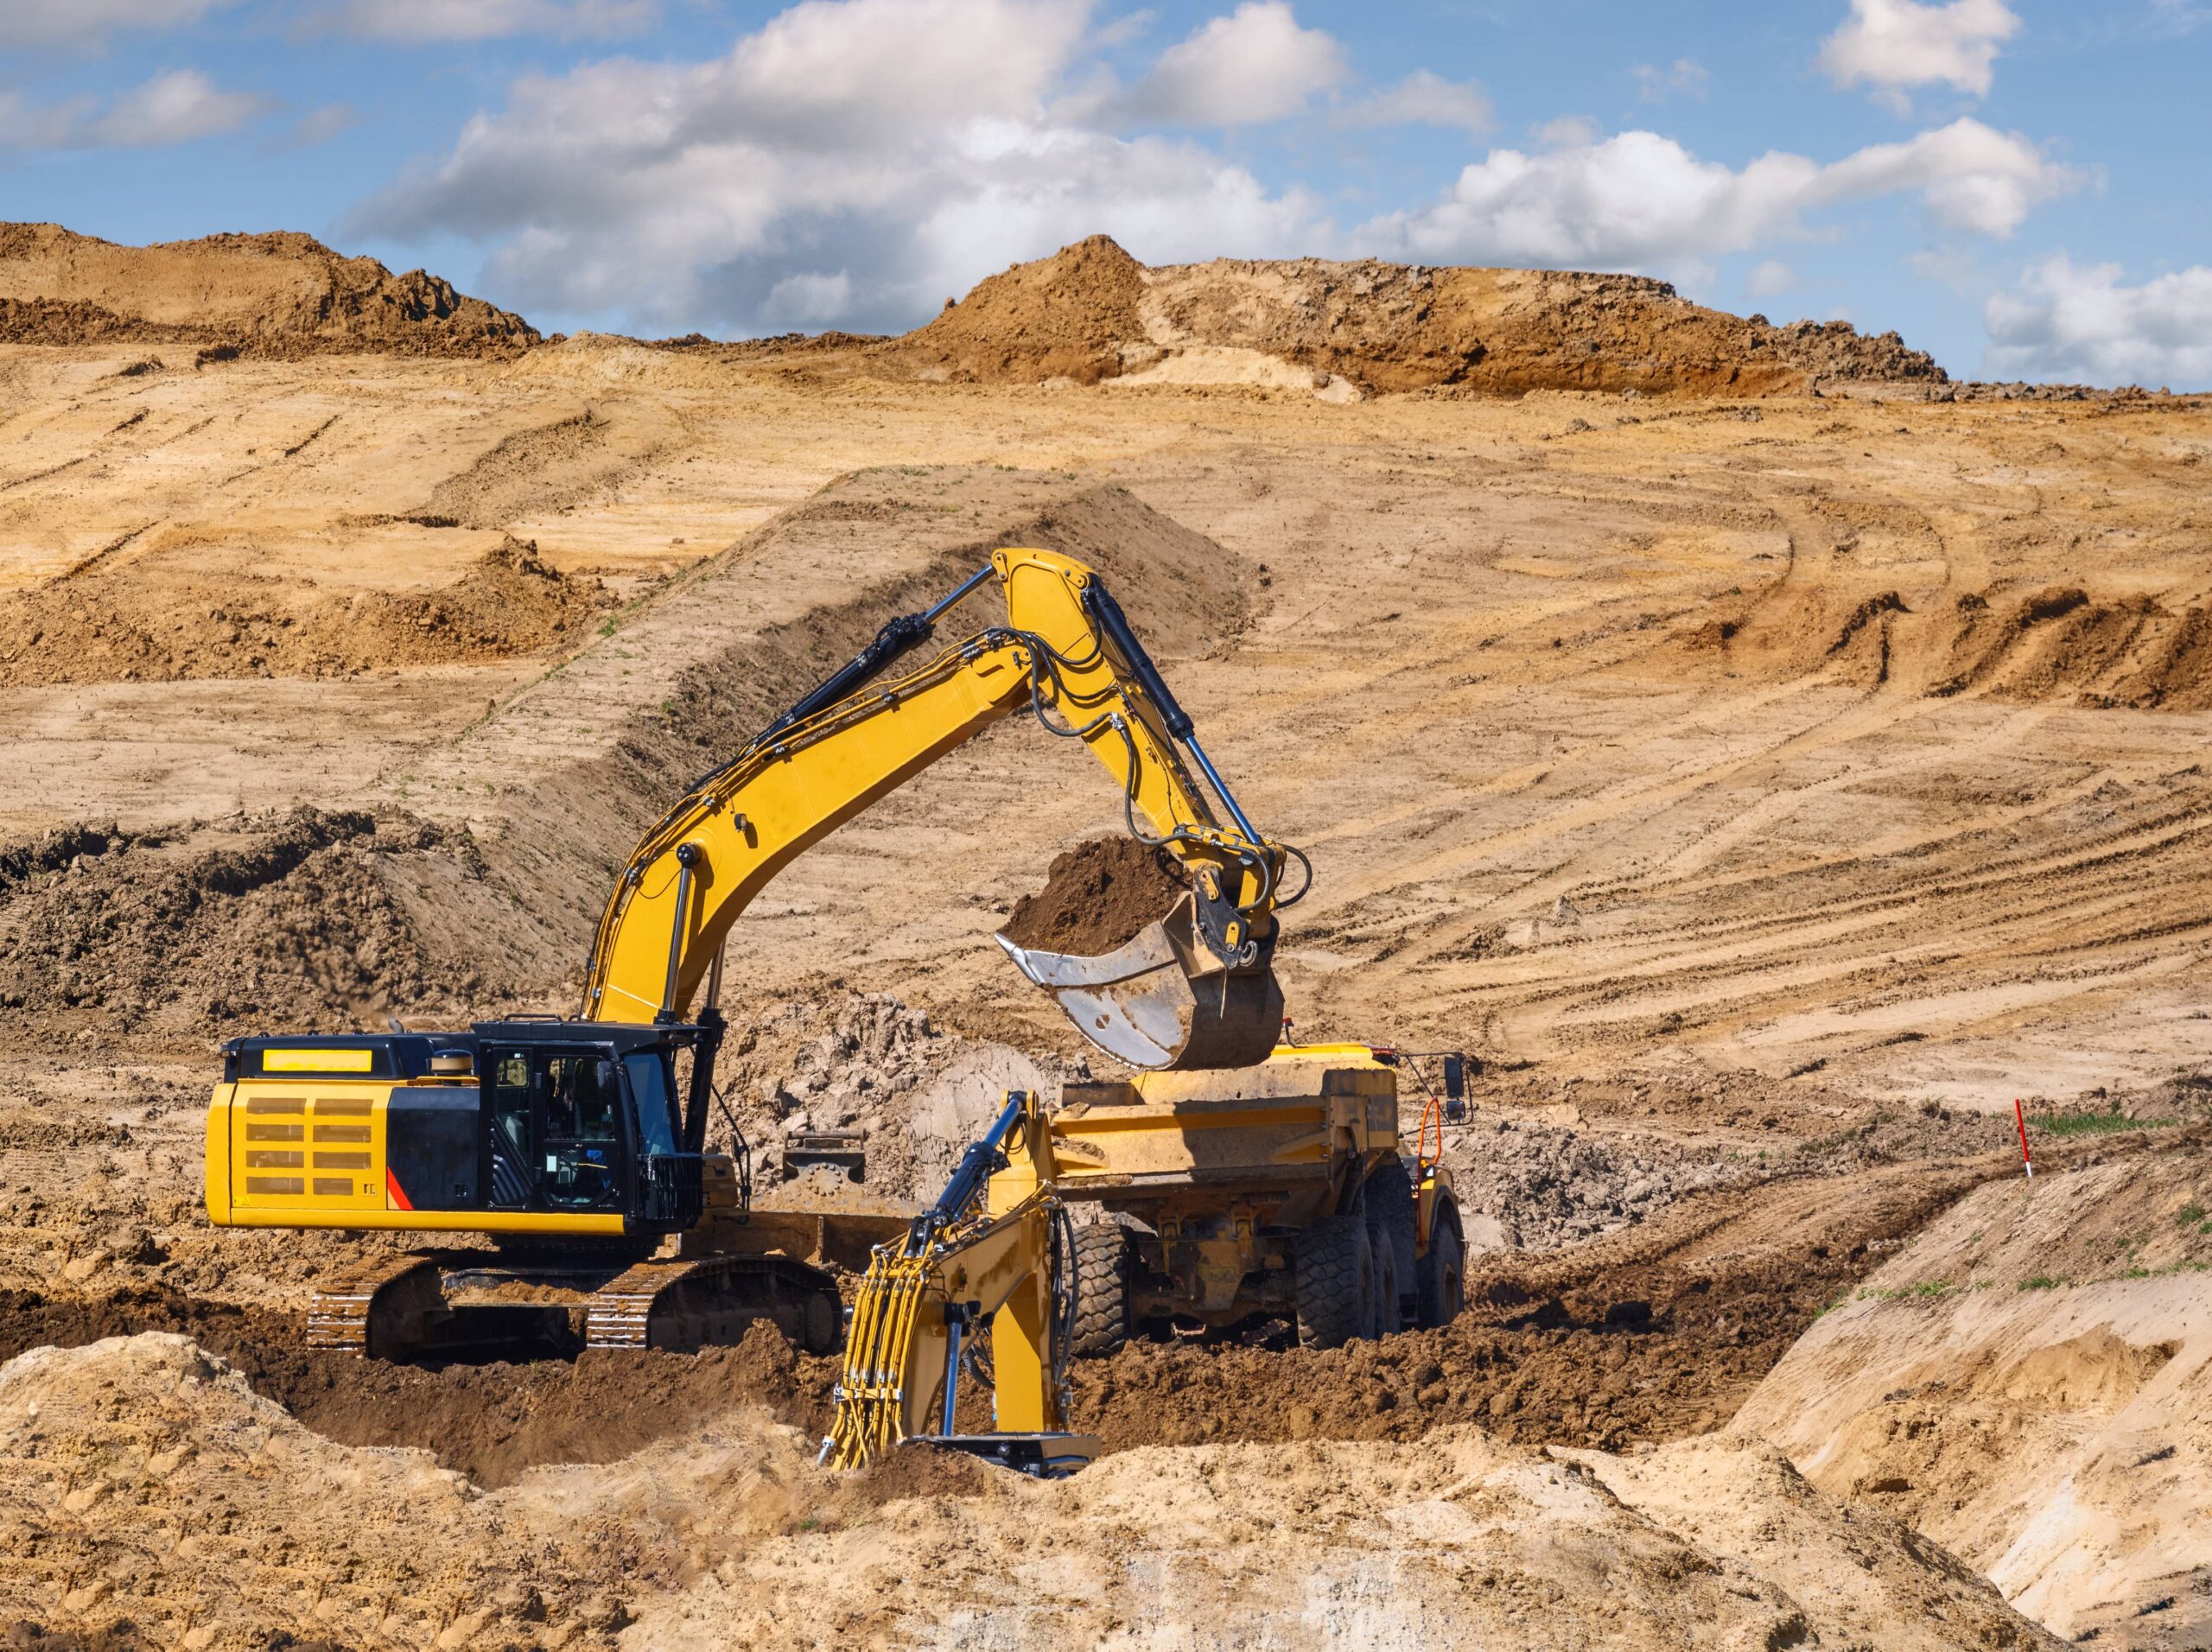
x: 1162, y: 1001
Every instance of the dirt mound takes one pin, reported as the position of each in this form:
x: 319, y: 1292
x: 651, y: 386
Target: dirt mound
x: 1091, y: 312
x: 2031, y: 1384
x: 280, y: 296
x: 251, y: 922
x: 178, y: 1507
x: 1096, y: 897
x: 2131, y: 651
x: 1647, y: 1336
x: 135, y: 623
x: 1068, y: 316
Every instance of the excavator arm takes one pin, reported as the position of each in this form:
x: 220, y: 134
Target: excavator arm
x: 1195, y: 990
x: 996, y: 1253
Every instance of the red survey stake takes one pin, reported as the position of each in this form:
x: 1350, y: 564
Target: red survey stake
x: 2021, y: 1117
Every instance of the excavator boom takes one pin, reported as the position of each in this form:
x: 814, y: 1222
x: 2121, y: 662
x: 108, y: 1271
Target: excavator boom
x: 1195, y: 990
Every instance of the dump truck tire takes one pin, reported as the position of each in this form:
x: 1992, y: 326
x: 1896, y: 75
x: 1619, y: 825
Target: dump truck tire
x: 1391, y: 1220
x: 1443, y: 1271
x: 1336, y: 1281
x: 1384, y: 1311
x: 1102, y: 1290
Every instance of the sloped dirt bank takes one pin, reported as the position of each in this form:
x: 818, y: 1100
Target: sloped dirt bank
x: 2029, y: 1383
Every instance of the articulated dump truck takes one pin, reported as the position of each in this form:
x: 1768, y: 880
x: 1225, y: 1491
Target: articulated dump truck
x: 1284, y: 1190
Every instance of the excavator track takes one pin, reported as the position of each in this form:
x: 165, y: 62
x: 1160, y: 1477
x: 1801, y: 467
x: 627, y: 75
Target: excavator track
x: 396, y: 1307
x: 687, y: 1305
x: 362, y: 1305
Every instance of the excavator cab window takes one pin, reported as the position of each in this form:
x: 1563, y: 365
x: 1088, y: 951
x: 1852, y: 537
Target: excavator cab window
x: 580, y: 1145
x: 654, y: 1095
x: 556, y: 1122
x: 507, y: 1112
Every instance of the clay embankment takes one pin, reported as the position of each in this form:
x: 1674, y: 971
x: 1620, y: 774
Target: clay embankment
x: 2029, y: 1384
x: 1091, y: 313
x: 279, y: 296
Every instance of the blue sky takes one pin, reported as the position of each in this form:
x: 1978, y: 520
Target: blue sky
x: 2019, y: 187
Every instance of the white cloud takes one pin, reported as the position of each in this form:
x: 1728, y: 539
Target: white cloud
x: 317, y: 127
x: 2081, y: 323
x: 175, y: 106
x: 433, y: 21
x: 1423, y: 99
x: 809, y: 298
x: 1566, y: 132
x: 1639, y: 200
x: 1892, y: 45
x: 1684, y: 76
x: 1768, y: 277
x: 89, y: 23
x: 1254, y: 65
x: 851, y: 163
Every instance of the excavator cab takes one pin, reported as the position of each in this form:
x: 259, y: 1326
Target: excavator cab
x: 544, y: 1126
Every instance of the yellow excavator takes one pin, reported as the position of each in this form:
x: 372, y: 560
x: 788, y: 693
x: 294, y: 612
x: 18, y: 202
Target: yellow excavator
x: 577, y: 1144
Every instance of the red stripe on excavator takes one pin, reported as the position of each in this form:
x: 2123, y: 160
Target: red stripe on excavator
x: 396, y: 1193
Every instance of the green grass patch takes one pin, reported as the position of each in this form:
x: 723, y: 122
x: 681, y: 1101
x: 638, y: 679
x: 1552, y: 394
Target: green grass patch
x: 2042, y: 1282
x: 2077, y: 1124
x: 1928, y: 1291
x: 2190, y: 1215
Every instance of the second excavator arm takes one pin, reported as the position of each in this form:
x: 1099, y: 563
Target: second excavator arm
x: 1196, y: 990
x: 995, y: 1255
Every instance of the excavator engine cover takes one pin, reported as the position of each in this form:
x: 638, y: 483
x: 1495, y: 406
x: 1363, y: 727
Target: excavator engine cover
x: 1163, y: 1001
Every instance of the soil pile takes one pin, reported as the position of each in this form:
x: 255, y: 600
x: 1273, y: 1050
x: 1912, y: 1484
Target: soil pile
x: 179, y: 1506
x: 280, y: 296
x: 1091, y: 312
x: 2031, y: 1384
x: 1068, y: 316
x: 1651, y: 1335
x: 134, y: 622
x: 273, y: 920
x: 1097, y: 896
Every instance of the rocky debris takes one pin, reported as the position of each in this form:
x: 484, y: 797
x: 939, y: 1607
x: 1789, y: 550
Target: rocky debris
x: 1091, y: 312
x: 866, y: 1063
x: 277, y: 296
x: 1536, y: 1186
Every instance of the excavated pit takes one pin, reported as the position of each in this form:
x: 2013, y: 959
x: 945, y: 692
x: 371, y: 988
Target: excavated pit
x: 1652, y: 1335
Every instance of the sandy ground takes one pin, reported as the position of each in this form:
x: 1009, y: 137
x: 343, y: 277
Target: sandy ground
x: 1769, y: 791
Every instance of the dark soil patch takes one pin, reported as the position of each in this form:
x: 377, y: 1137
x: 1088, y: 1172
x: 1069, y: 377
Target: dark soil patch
x: 1601, y: 1345
x: 1096, y: 897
